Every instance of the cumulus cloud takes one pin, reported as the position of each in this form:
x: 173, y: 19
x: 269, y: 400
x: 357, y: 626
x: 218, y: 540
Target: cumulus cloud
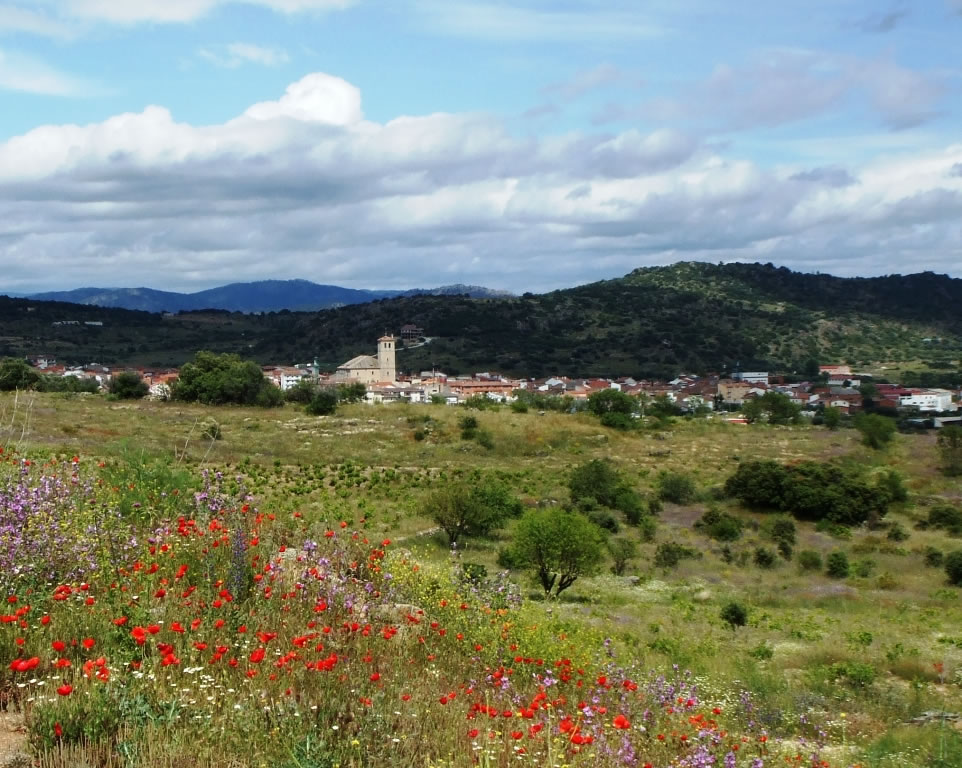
x: 306, y: 186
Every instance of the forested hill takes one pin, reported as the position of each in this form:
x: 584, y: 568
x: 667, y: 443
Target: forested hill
x: 654, y: 321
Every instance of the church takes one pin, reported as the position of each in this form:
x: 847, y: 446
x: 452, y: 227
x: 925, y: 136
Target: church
x: 372, y: 370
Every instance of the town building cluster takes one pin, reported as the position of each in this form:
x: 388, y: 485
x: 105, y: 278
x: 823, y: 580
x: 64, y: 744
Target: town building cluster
x: 836, y: 386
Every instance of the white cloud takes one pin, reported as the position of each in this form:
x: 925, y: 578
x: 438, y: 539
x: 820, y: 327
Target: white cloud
x: 305, y: 186
x: 784, y: 86
x: 501, y: 21
x: 27, y: 74
x: 17, y: 19
x: 236, y: 54
x: 172, y: 11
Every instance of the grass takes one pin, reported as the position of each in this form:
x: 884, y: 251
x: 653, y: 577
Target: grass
x: 865, y: 646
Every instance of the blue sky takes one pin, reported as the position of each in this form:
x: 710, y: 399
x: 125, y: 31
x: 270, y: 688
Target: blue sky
x: 526, y: 145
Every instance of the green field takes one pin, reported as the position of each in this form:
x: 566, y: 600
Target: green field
x: 837, y: 668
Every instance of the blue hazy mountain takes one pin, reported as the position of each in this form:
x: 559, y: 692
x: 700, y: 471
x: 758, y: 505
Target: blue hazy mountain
x: 259, y: 296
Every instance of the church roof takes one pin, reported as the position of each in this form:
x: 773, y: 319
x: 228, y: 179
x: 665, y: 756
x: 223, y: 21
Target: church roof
x: 360, y: 362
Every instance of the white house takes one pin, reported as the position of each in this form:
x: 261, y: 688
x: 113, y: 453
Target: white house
x: 932, y: 400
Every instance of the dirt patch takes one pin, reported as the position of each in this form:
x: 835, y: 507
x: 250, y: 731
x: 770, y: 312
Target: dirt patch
x: 13, y: 741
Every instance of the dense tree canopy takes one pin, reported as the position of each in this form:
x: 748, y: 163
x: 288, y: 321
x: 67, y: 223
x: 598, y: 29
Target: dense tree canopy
x: 809, y: 490
x: 215, y: 379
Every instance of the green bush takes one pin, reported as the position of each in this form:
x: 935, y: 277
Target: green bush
x: 949, y: 444
x: 837, y: 565
x: 953, y: 567
x: 809, y: 490
x: 16, y: 373
x: 809, y: 560
x: 128, y: 386
x: 865, y: 567
x: 616, y: 420
x: 598, y: 481
x: 622, y: 551
x: 764, y: 558
x: 896, y: 533
x: 946, y: 517
x: 301, y: 392
x: 214, y: 379
x: 877, y: 430
x: 604, y: 519
x: 676, y: 487
x: 735, y: 615
x: 720, y: 525
x: 668, y: 554
x: 933, y: 557
x: 323, y: 403
x: 855, y: 673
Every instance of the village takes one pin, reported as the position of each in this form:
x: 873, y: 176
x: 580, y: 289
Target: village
x: 837, y: 386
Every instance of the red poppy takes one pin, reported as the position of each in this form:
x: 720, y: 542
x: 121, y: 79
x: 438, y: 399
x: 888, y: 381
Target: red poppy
x: 65, y: 689
x: 89, y: 643
x: 621, y: 722
x: 257, y: 656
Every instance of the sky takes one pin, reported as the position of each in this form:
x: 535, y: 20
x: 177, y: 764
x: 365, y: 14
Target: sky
x: 524, y: 145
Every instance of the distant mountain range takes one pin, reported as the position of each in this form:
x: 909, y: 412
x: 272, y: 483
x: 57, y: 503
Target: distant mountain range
x: 259, y: 296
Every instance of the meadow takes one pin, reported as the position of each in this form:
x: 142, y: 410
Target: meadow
x: 242, y: 587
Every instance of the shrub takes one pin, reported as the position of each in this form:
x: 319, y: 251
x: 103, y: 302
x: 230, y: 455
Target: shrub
x: 734, y: 615
x: 837, y: 565
x: 809, y: 490
x: 933, y: 557
x: 598, y: 480
x: 323, y: 403
x: 611, y: 401
x: 764, y: 558
x: 877, y: 430
x: 832, y: 417
x: 676, y: 487
x: 519, y: 406
x: 809, y: 560
x: 783, y: 530
x: 604, y: 519
x: 891, y: 483
x: 946, y: 517
x: 762, y: 652
x: 865, y: 567
x: 896, y: 533
x: 720, y: 525
x: 953, y: 567
x: 949, y: 443
x: 668, y: 554
x: 855, y: 673
x: 301, y: 393
x: 16, y: 373
x: 128, y: 386
x: 616, y: 420
x: 622, y: 552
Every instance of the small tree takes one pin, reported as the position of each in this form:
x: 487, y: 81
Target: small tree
x: 610, y: 401
x: 953, y: 567
x: 461, y: 510
x: 559, y: 546
x: 877, y: 431
x: 622, y: 552
x: 734, y: 615
x: 949, y: 443
x: 128, y: 386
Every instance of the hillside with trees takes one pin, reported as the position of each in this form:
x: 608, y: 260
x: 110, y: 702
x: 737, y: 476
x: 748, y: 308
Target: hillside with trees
x: 652, y: 322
